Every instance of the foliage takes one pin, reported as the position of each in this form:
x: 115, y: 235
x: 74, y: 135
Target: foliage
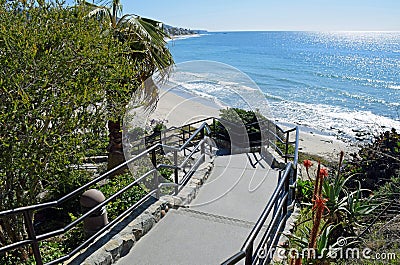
x: 166, y: 173
x: 336, y: 211
x: 377, y: 162
x: 125, y: 200
x: 156, y: 126
x: 56, y: 67
x: 144, y: 37
x: 347, y: 207
x: 377, y: 167
x: 241, y: 116
x: 241, y: 128
x: 147, y: 51
x: 391, y: 189
x: 304, y: 191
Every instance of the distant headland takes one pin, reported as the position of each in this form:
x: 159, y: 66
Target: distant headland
x: 176, y: 31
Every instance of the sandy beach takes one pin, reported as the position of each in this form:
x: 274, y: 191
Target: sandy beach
x: 177, y: 110
x: 328, y: 147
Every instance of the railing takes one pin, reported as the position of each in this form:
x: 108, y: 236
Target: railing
x: 276, y: 210
x: 27, y: 212
x: 193, y: 142
x: 269, y: 135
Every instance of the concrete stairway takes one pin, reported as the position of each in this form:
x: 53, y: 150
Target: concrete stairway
x: 216, y: 223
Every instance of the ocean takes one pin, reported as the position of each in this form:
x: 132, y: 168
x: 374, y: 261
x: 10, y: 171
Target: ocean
x: 345, y: 84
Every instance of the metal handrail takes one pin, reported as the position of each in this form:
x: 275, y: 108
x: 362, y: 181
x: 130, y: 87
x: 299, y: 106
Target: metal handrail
x: 282, y: 193
x: 296, y: 148
x: 79, y: 190
x: 27, y: 209
x: 247, y: 249
x: 102, y: 230
x: 189, y: 124
x: 275, y: 133
x: 105, y: 175
x: 260, y: 222
x: 94, y: 209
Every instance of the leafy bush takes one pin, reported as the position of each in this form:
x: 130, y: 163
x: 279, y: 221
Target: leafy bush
x: 349, y: 204
x: 391, y: 189
x: 239, y: 117
x: 377, y: 162
x: 124, y: 201
x: 61, y: 79
x: 241, y: 126
x: 336, y: 211
x: 304, y: 191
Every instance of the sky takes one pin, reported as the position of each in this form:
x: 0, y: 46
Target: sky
x: 241, y: 15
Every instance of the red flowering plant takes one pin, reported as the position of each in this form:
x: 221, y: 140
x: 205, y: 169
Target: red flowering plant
x: 316, y: 226
x: 332, y: 212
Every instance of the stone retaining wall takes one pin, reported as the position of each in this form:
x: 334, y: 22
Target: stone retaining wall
x: 112, y: 245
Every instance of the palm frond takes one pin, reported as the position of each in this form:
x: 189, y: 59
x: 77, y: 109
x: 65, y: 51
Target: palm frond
x: 151, y: 37
x: 100, y: 12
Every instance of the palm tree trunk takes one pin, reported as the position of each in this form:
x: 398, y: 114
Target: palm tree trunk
x: 115, y: 149
x: 114, y: 13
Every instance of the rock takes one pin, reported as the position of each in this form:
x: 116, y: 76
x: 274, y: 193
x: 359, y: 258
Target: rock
x: 128, y: 241
x: 114, y: 248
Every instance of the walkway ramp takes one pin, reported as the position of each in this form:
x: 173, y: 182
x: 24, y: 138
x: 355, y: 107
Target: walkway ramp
x: 216, y: 223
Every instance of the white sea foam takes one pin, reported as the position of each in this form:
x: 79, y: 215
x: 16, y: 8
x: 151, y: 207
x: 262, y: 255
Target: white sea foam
x: 331, y: 119
x: 182, y: 37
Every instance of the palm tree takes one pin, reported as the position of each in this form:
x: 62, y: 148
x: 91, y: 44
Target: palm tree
x: 146, y: 38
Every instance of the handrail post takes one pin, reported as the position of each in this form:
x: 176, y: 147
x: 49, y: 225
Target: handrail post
x: 286, y: 191
x: 202, y: 148
x: 293, y: 179
x: 176, y: 172
x: 287, y: 146
x: 155, y: 174
x: 156, y: 183
x: 32, y: 236
x: 282, y: 195
x: 184, y: 140
x: 249, y: 255
x: 214, y: 125
x: 268, y: 133
x: 154, y: 158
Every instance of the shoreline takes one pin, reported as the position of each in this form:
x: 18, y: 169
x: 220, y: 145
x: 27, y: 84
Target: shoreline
x: 180, y: 107
x: 322, y: 144
x: 177, y: 108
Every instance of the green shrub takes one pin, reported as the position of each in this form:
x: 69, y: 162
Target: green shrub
x: 124, y: 201
x: 304, y: 191
x: 61, y: 79
x: 377, y: 162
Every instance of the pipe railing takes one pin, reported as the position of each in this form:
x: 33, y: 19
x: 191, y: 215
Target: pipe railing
x: 276, y: 136
x: 197, y: 136
x: 277, y: 201
x: 28, y: 211
x: 276, y: 209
